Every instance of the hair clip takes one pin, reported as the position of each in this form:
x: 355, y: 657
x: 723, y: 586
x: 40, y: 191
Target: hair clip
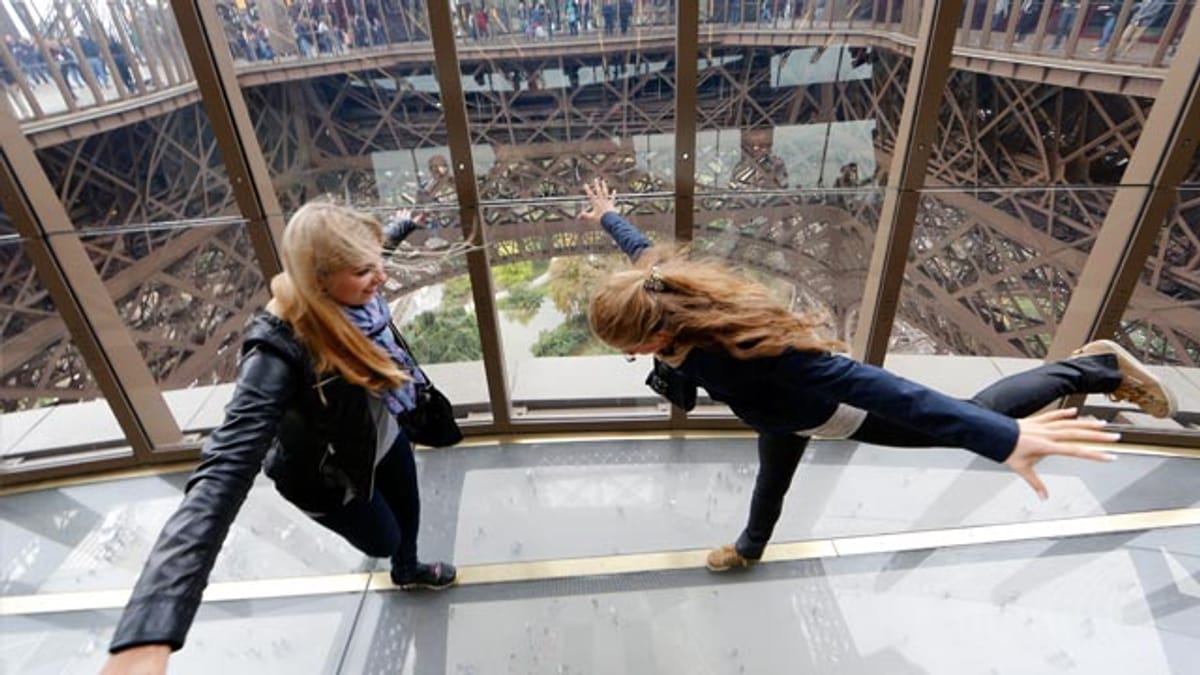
x: 655, y: 282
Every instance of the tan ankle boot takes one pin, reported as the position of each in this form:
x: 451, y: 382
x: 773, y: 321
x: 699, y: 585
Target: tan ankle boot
x: 726, y: 558
x: 1138, y: 386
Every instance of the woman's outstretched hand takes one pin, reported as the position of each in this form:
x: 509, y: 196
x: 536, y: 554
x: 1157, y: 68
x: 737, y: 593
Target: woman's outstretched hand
x: 407, y: 214
x: 601, y: 200
x: 140, y: 660
x: 1050, y: 433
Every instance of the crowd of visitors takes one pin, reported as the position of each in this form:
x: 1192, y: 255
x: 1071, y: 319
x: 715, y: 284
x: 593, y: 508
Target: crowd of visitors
x: 42, y: 62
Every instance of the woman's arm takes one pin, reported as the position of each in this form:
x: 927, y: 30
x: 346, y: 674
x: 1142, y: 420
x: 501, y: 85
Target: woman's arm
x: 168, y: 592
x: 399, y: 225
x: 602, y: 210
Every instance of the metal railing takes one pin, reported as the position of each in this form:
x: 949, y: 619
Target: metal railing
x: 83, y: 55
x: 86, y: 56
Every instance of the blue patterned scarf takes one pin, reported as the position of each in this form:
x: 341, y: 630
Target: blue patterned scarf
x: 374, y: 320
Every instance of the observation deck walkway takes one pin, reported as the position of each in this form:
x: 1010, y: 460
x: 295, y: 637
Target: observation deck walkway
x: 55, y: 105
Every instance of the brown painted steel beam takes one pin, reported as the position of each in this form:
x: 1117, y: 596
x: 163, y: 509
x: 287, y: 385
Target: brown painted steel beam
x: 204, y: 38
x: 80, y: 297
x: 686, y: 65
x: 914, y: 140
x: 687, y: 19
x: 92, y: 121
x: 458, y: 138
x: 1142, y: 205
x: 40, y: 335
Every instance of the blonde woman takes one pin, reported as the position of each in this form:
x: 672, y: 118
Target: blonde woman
x: 720, y: 331
x: 320, y: 383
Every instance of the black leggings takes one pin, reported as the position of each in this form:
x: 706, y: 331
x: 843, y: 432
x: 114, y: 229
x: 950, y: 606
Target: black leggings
x: 385, y: 526
x: 1015, y: 396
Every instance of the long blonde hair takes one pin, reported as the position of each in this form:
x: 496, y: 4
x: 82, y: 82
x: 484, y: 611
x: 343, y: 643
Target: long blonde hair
x: 321, y: 239
x: 698, y: 303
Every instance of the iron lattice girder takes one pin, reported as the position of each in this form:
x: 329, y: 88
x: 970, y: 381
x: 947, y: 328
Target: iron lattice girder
x: 183, y: 292
x: 1030, y: 138
x: 167, y: 168
x: 1101, y: 77
x: 1017, y: 141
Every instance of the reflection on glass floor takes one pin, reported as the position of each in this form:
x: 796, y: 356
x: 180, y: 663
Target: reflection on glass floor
x: 1126, y: 600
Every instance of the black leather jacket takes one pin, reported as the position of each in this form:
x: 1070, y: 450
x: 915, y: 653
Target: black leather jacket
x: 316, y: 443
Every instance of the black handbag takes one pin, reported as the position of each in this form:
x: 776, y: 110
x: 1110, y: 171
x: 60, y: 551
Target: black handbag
x: 672, y: 385
x: 431, y: 421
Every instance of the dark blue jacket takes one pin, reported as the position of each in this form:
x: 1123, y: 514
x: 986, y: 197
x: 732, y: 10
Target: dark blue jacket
x: 800, y: 390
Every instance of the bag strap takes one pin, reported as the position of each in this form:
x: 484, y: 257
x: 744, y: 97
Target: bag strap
x: 400, y: 340
x: 408, y: 350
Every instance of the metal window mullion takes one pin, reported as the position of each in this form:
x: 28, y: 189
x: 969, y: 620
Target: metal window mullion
x: 1081, y: 15
x: 458, y: 139
x: 914, y: 139
x: 687, y: 56
x: 1142, y: 205
x: 1123, y: 17
x: 81, y: 297
x: 1039, y: 31
x: 965, y: 30
x: 1010, y: 29
x: 172, y: 59
x: 1168, y: 32
x: 211, y: 61
x: 148, y: 44
x: 985, y: 37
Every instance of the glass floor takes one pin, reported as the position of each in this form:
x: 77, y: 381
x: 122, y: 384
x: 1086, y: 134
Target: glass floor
x: 586, y: 556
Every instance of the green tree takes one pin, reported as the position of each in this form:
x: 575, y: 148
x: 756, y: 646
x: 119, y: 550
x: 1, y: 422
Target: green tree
x: 573, y: 279
x: 448, y: 335
x: 572, y: 338
x: 457, y: 291
x: 514, y: 274
x: 522, y: 303
x: 568, y: 339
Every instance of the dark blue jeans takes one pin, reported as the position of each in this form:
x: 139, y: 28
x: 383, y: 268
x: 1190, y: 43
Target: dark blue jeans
x: 385, y: 526
x: 1016, y: 396
x: 1066, y: 20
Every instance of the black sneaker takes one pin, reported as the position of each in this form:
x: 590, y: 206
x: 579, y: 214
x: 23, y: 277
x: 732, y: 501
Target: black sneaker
x: 434, y: 576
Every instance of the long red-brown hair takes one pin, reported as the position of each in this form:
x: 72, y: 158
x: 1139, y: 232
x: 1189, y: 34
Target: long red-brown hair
x: 699, y: 303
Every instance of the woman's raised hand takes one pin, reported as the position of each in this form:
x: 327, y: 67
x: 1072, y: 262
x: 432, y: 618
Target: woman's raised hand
x: 601, y: 200
x: 407, y: 214
x: 140, y: 660
x: 1050, y: 433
